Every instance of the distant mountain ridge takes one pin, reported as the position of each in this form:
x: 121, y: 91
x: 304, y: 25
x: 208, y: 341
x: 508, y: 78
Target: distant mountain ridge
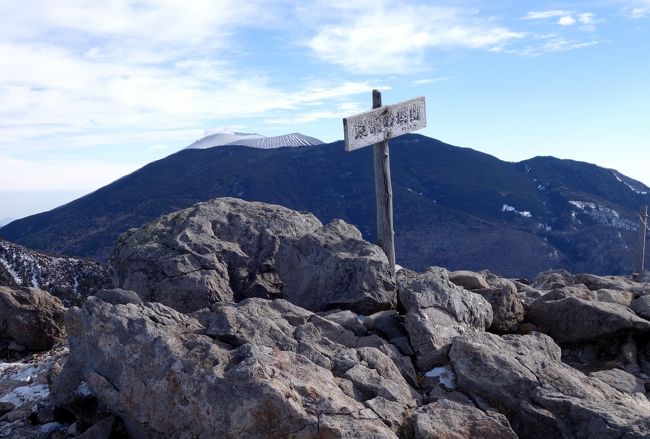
x: 454, y: 207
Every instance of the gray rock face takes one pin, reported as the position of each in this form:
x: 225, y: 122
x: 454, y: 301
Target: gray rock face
x: 507, y: 307
x: 436, y: 312
x: 31, y: 317
x: 524, y: 377
x: 229, y: 250
x: 641, y: 307
x: 468, y: 280
x: 572, y: 320
x: 451, y: 419
x: 256, y: 369
x: 620, y: 380
x: 333, y: 267
x: 220, y: 250
x: 553, y: 279
x: 69, y: 279
x: 624, y: 298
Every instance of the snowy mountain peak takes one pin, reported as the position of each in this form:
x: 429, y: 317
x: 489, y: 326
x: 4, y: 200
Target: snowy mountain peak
x: 254, y: 140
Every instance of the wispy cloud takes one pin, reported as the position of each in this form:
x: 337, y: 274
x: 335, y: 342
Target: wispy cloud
x: 637, y: 8
x: 586, y: 20
x: 553, y: 44
x: 542, y: 15
x: 425, y: 81
x: 374, y: 37
x: 80, y: 74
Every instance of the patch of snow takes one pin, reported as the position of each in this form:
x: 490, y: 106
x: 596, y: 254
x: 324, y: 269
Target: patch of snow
x: 445, y: 375
x: 18, y: 372
x: 603, y: 215
x: 524, y: 213
x: 26, y: 394
x: 83, y: 389
x: 11, y: 271
x: 545, y: 227
x: 51, y: 427
x: 632, y: 188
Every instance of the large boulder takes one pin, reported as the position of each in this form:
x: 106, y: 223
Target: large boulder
x: 574, y: 320
x: 30, y: 317
x: 259, y: 368
x: 641, y: 307
x: 436, y: 312
x: 454, y: 420
x: 525, y: 378
x: 229, y: 250
x: 507, y: 306
x: 333, y: 267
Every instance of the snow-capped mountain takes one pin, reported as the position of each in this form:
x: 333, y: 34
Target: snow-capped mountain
x: 254, y: 140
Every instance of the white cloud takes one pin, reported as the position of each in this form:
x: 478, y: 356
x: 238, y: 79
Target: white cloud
x: 566, y: 20
x: 378, y: 38
x: 553, y: 44
x: 636, y: 9
x: 541, y: 15
x: 58, y: 175
x: 425, y: 81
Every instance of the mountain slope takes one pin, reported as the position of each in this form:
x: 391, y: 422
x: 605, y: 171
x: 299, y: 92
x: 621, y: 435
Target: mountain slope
x: 454, y: 207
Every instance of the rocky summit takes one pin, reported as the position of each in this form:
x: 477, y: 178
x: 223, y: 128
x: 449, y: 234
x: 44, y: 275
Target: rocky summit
x: 235, y: 319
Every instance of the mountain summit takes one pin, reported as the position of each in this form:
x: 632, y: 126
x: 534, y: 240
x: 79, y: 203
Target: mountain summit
x: 253, y: 140
x: 454, y: 207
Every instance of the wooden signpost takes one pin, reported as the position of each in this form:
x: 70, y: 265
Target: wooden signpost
x: 376, y: 127
x: 643, y: 228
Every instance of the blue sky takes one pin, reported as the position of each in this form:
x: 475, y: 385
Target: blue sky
x: 91, y: 90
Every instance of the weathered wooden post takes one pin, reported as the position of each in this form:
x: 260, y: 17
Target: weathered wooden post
x: 376, y: 127
x: 383, y: 193
x: 643, y: 228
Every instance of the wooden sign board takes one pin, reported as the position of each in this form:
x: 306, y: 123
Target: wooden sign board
x: 384, y: 123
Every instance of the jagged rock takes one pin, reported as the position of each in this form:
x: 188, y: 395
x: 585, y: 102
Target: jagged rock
x: 333, y: 267
x: 101, y: 430
x: 524, y: 377
x: 259, y: 368
x: 580, y: 291
x: 507, y: 307
x: 220, y: 250
x: 69, y: 279
x: 468, y: 280
x: 24, y: 408
x: 572, y: 320
x: 348, y: 320
x: 454, y: 420
x: 281, y: 325
x: 31, y: 317
x: 624, y: 298
x: 118, y: 296
x: 618, y: 283
x: 228, y: 250
x: 436, y: 312
x: 641, y: 307
x: 552, y: 279
x: 620, y: 380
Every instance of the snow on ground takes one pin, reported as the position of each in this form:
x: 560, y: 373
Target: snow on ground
x: 10, y: 270
x: 445, y: 375
x: 632, y: 188
x: 603, y: 215
x: 524, y: 213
